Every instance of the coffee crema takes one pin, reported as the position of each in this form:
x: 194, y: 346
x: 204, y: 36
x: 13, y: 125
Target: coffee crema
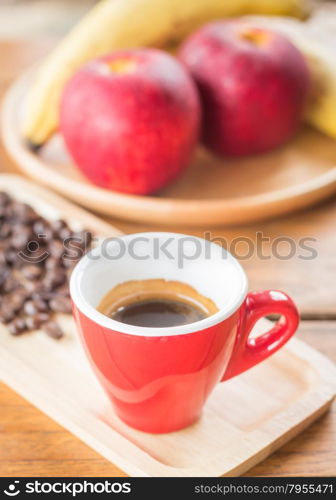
x: 156, y: 303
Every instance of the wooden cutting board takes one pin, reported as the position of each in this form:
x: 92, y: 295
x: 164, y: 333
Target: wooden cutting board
x: 245, y: 419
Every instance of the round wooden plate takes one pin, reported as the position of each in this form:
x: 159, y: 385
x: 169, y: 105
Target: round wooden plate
x: 213, y: 191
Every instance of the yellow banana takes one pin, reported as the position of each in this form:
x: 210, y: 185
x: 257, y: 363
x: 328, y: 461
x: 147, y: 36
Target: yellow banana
x: 318, y: 46
x: 117, y: 24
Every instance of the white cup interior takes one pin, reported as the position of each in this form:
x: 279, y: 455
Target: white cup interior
x: 206, y: 266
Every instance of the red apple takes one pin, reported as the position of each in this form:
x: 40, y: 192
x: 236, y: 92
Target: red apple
x: 253, y: 84
x: 130, y: 120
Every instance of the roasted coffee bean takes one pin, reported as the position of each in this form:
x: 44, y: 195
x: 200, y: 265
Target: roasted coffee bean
x: 54, y: 278
x: 20, y: 260
x: 6, y: 212
x: 6, y: 315
x: 89, y: 239
x: 52, y: 263
x: 10, y: 256
x: 4, y: 273
x: 10, y: 284
x: 33, y: 276
x: 33, y: 287
x: 69, y: 263
x: 30, y: 307
x: 33, y: 255
x: 4, y: 199
x: 17, y: 326
x: 5, y: 230
x: 23, y: 212
x: 42, y: 294
x: 42, y: 230
x: 57, y: 225
x: 39, y: 226
x: 15, y: 300
x: 7, y: 305
x: 4, y: 245
x: 41, y: 305
x: 21, y: 236
x: 56, y: 249
x: 31, y: 272
x: 34, y: 322
x: 47, y: 286
x: 35, y: 306
x: 53, y: 330
x: 64, y: 233
x: 60, y: 304
x: 63, y: 290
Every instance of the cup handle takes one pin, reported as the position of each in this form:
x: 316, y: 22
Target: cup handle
x: 247, y: 351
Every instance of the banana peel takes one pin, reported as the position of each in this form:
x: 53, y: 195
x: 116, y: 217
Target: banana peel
x: 319, y: 48
x: 121, y: 24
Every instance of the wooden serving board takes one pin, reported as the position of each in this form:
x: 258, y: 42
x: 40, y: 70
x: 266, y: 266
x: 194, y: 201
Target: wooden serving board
x: 211, y: 192
x: 245, y: 419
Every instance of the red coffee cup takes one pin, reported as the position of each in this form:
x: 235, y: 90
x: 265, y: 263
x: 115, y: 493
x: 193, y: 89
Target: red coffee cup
x: 158, y: 379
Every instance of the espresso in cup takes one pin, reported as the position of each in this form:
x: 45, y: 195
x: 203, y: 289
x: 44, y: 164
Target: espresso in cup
x: 156, y: 303
x: 159, y: 377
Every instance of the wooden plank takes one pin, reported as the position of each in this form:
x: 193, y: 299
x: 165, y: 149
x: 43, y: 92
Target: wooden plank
x: 35, y: 19
x: 314, y: 451
x: 33, y: 439
x: 305, y: 387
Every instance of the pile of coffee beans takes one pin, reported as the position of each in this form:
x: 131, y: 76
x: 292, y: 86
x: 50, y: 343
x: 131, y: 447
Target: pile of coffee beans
x: 36, y: 260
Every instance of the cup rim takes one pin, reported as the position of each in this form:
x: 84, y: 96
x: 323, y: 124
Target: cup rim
x: 97, y: 317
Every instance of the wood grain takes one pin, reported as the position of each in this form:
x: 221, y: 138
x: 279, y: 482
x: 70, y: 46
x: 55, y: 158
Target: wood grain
x: 233, y: 431
x: 305, y: 388
x: 273, y: 263
x: 314, y: 451
x: 36, y: 19
x: 212, y: 191
x: 32, y: 442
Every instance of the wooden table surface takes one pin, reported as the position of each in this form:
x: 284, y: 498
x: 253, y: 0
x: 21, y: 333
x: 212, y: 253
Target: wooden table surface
x: 31, y: 444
